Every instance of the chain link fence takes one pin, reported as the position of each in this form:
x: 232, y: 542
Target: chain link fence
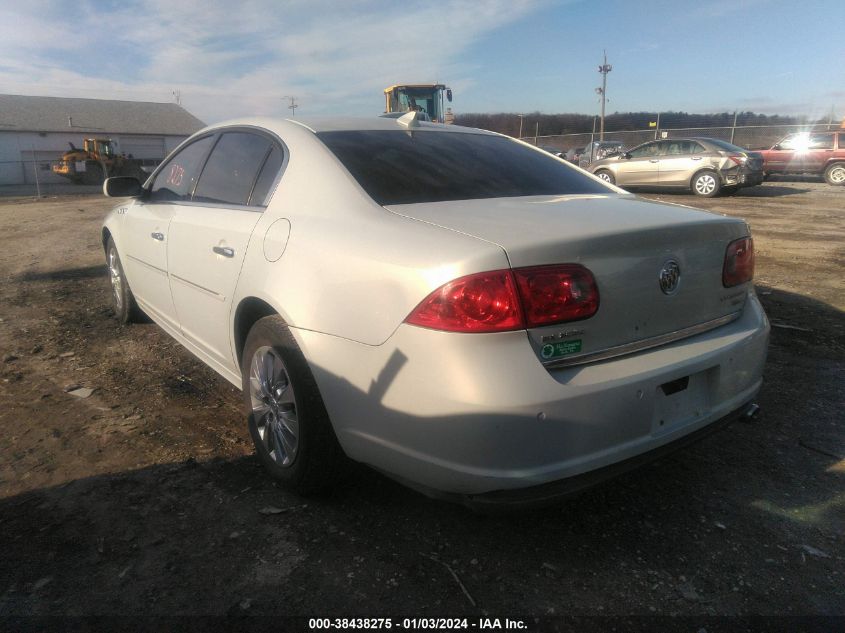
x: 749, y: 136
x: 35, y: 176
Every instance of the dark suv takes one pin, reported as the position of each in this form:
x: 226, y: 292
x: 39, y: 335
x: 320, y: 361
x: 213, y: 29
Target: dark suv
x: 817, y: 153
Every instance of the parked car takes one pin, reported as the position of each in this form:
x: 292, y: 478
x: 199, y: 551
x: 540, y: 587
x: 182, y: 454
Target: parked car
x: 706, y: 166
x: 554, y: 151
x: 598, y: 150
x: 573, y: 155
x: 814, y: 153
x: 460, y: 311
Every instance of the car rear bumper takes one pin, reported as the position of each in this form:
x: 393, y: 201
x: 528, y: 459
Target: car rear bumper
x: 563, y: 488
x: 743, y: 178
x: 474, y: 414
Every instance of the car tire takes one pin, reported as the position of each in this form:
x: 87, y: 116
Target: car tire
x: 706, y: 184
x: 125, y: 308
x: 288, y: 422
x: 606, y: 175
x: 835, y: 174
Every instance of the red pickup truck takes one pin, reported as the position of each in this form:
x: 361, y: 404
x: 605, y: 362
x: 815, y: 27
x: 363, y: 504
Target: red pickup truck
x: 818, y: 153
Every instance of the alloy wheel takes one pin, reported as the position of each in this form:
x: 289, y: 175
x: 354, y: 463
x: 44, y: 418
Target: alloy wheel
x: 274, y: 405
x: 116, y: 279
x: 705, y: 184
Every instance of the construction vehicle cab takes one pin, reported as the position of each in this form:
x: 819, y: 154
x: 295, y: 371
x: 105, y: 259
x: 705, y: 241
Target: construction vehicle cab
x: 425, y: 98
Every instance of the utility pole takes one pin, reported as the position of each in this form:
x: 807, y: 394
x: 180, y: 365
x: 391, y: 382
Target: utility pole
x: 293, y: 105
x: 603, y: 69
x: 177, y: 97
x: 520, y: 124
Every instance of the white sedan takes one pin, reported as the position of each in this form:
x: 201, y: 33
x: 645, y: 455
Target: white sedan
x: 461, y: 311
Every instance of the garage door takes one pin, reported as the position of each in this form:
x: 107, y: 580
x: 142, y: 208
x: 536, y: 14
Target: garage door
x: 143, y: 146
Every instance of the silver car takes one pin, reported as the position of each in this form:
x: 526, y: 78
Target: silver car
x: 462, y: 311
x: 705, y: 166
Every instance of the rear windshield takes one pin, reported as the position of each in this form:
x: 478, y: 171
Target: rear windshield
x: 400, y: 167
x: 730, y: 147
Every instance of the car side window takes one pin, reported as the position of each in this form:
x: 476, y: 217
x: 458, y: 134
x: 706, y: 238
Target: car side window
x: 232, y: 169
x: 789, y: 142
x: 696, y: 148
x: 177, y: 178
x: 267, y: 178
x: 678, y: 148
x: 649, y: 149
x: 821, y: 141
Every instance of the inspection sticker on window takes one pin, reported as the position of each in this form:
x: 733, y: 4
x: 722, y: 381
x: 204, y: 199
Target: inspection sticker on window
x: 561, y: 348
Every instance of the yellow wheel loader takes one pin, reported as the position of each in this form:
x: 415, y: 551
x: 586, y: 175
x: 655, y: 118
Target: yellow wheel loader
x: 428, y: 99
x: 96, y: 161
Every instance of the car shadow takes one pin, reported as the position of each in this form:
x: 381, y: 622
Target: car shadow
x: 85, y: 272
x: 795, y: 178
x: 768, y: 191
x: 759, y: 191
x: 219, y: 537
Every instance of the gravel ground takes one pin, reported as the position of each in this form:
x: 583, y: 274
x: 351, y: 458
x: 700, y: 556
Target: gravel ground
x: 144, y: 498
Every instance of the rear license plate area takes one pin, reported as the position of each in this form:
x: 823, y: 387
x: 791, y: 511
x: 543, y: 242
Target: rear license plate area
x: 681, y: 401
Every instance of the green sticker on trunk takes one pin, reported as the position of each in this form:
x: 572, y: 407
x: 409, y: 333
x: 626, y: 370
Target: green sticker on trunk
x: 561, y: 348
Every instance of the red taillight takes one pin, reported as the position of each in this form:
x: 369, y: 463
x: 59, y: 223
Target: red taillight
x: 485, y: 302
x: 739, y: 159
x: 494, y: 302
x: 554, y: 294
x: 739, y: 262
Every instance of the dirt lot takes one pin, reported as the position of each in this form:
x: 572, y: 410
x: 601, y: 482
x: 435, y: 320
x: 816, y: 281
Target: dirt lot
x: 144, y: 498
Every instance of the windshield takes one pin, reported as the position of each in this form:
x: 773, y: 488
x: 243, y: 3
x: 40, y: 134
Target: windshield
x: 395, y: 167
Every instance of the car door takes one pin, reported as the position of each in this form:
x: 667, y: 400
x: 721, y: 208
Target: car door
x: 642, y: 167
x: 147, y: 223
x: 819, y: 152
x: 209, y: 236
x: 782, y: 158
x: 680, y: 161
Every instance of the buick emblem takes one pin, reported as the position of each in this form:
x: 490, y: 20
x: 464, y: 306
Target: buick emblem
x: 670, y: 277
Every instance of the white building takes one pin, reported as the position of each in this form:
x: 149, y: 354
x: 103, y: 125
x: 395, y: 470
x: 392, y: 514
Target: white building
x: 36, y: 131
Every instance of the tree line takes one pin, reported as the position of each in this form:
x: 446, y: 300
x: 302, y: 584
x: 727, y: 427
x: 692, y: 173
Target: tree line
x: 570, y: 123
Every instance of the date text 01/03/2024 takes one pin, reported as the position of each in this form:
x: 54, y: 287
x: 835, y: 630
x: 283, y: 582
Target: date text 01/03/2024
x: 488, y: 624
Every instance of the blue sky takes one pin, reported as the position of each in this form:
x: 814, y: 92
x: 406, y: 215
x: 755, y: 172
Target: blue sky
x: 231, y: 59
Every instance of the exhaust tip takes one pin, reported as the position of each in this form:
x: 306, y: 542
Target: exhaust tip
x: 752, y: 412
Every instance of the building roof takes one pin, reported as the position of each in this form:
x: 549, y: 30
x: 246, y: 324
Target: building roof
x: 19, y: 113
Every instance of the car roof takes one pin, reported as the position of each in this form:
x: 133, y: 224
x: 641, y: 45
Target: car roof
x: 343, y: 124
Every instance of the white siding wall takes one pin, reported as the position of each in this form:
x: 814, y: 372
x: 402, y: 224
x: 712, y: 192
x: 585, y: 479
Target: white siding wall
x: 18, y: 146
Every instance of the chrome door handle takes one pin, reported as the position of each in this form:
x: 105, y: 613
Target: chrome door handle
x: 654, y: 160
x: 157, y: 236
x: 225, y: 251
x: 695, y: 158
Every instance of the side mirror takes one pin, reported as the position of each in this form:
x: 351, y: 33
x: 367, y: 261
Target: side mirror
x: 122, y: 187
x: 776, y: 146
x: 625, y: 155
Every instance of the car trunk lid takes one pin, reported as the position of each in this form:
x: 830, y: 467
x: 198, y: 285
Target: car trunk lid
x: 627, y: 243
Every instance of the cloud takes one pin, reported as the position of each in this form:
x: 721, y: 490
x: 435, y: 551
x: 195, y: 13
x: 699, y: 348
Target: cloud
x: 229, y: 59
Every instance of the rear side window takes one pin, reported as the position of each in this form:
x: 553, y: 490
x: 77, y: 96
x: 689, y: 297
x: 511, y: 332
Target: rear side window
x: 730, y: 147
x: 400, y: 167
x: 821, y: 141
x: 177, y: 179
x: 267, y: 178
x: 232, y: 169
